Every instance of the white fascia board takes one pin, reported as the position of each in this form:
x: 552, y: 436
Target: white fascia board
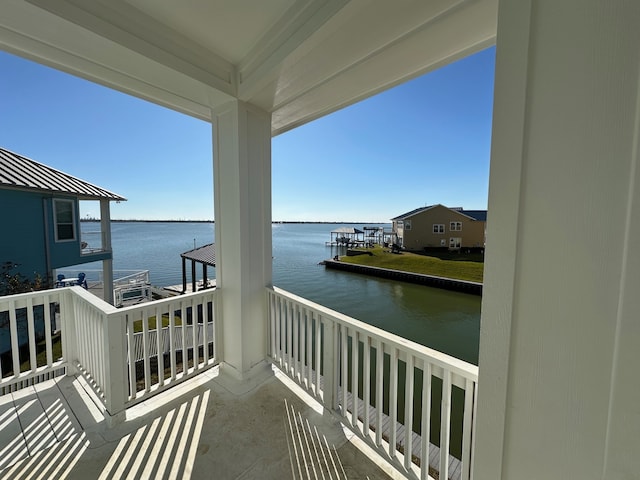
x: 467, y: 30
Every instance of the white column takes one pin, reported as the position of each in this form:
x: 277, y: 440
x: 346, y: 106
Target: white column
x: 107, y: 265
x: 559, y: 389
x: 242, y: 194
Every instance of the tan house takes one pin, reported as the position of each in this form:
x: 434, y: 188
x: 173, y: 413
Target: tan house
x: 437, y: 226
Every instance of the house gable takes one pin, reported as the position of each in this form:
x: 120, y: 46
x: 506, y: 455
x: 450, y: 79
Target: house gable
x: 438, y: 226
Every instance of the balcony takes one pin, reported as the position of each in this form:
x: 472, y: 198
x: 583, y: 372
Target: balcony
x: 338, y: 397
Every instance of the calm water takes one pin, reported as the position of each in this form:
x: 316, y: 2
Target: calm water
x: 446, y: 321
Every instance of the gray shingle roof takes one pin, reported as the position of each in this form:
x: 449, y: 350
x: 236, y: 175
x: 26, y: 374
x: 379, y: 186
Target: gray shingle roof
x: 18, y: 172
x: 411, y: 213
x: 475, y: 214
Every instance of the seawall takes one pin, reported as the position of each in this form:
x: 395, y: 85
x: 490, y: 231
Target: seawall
x: 473, y: 288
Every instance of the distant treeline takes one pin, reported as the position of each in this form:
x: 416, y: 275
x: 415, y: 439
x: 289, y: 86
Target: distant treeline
x: 213, y: 221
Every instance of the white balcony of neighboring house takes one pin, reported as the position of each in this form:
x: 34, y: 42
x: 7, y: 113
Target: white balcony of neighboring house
x: 103, y: 401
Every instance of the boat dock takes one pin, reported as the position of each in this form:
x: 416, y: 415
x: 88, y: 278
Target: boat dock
x: 177, y: 289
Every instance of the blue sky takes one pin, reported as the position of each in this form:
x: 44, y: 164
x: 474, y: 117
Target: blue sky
x: 423, y: 142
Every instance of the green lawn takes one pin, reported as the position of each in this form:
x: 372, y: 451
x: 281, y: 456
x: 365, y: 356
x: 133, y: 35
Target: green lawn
x: 137, y: 325
x: 446, y: 264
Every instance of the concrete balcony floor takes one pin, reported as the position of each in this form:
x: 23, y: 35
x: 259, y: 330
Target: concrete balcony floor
x: 203, y: 428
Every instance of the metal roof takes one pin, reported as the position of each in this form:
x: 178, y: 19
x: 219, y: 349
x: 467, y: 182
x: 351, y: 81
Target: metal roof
x: 349, y: 230
x: 22, y: 173
x: 205, y: 254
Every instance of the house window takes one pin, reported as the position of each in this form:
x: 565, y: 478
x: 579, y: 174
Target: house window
x: 438, y: 228
x: 456, y: 226
x: 64, y: 219
x: 455, y: 243
x: 407, y: 224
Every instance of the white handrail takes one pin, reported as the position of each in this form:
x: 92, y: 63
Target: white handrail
x: 315, y: 346
x: 31, y: 320
x: 98, y: 340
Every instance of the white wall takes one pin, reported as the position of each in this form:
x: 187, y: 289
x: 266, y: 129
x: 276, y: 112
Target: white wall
x: 559, y: 393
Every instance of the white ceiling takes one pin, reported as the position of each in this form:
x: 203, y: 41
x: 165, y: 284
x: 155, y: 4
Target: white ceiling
x: 298, y: 59
x: 229, y: 28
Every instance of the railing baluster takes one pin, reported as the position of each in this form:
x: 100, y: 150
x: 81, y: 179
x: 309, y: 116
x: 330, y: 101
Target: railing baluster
x: 393, y: 400
x: 183, y: 331
x: 309, y: 349
x: 145, y: 349
x: 425, y: 429
x: 47, y: 331
x: 289, y: 337
x: 366, y: 384
x: 344, y: 363
x: 303, y: 347
x: 355, y: 346
x: 473, y: 426
x: 318, y: 352
x: 172, y: 341
x: 208, y: 320
x: 33, y: 362
x: 379, y: 390
x: 194, y: 334
x: 296, y: 341
x: 445, y: 419
x: 13, y: 331
x: 132, y: 357
x: 329, y: 363
x: 466, y: 429
x: 408, y: 413
x: 160, y: 345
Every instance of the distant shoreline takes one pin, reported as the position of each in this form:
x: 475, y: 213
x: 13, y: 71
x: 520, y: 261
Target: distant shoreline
x: 213, y: 221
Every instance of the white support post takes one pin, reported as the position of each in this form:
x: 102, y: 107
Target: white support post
x: 242, y: 194
x: 560, y: 343
x: 107, y: 265
x: 115, y: 335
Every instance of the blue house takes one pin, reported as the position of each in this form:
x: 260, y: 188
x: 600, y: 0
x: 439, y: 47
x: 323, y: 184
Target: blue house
x: 40, y: 218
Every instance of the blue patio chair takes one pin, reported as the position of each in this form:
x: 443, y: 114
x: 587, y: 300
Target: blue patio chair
x: 82, y: 281
x: 59, y: 283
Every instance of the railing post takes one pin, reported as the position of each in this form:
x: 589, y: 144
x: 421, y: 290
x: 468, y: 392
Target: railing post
x: 68, y: 337
x: 218, y: 343
x: 115, y: 364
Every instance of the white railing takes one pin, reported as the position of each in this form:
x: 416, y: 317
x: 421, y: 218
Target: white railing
x: 132, y: 294
x: 136, y: 278
x: 28, y: 334
x: 94, y: 277
x: 394, y: 393
x: 115, y: 349
x: 149, y: 372
x: 165, y: 341
x: 92, y: 242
